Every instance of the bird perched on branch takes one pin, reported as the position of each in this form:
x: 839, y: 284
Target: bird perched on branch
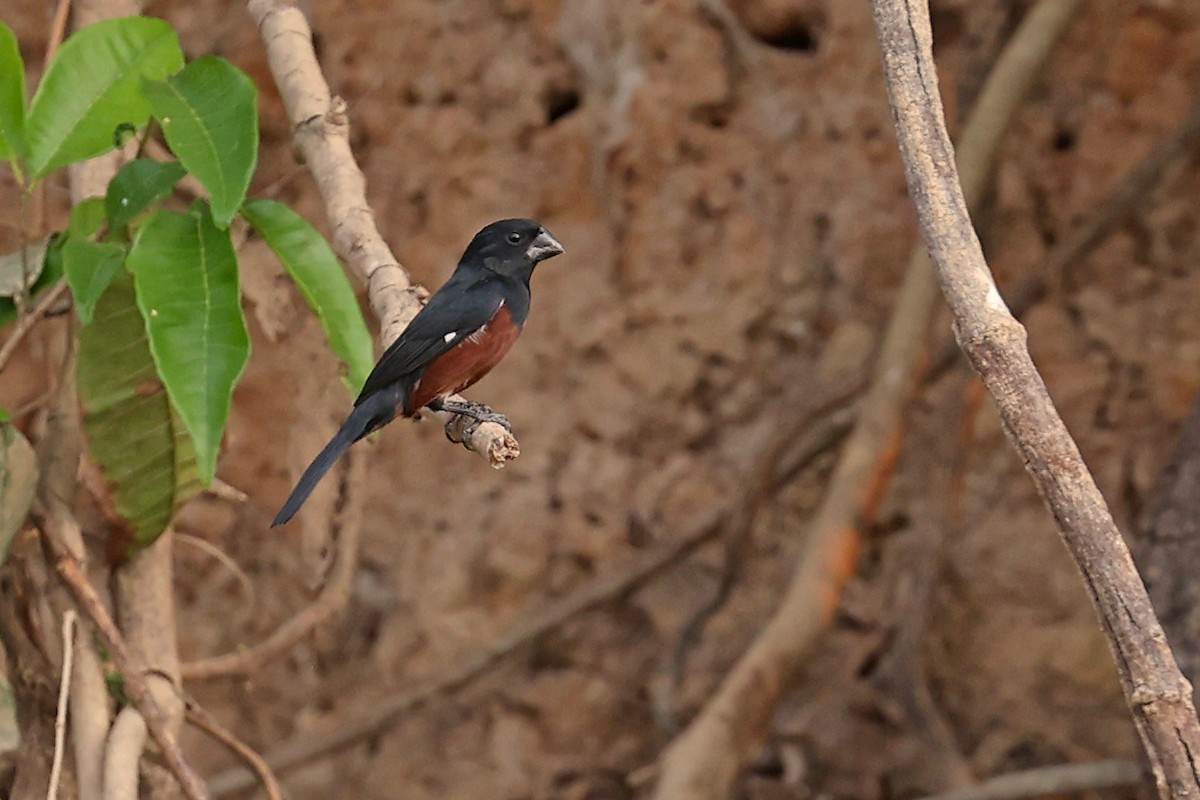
x: 461, y: 333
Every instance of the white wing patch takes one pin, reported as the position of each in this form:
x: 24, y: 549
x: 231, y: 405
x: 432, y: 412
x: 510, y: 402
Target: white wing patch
x: 449, y: 337
x: 479, y: 334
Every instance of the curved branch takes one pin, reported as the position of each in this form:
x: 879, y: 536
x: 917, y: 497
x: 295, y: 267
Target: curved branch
x: 333, y: 597
x: 1159, y: 696
x: 198, y: 716
x: 322, y: 138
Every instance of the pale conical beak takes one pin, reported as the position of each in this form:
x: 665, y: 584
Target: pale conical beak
x: 543, y: 246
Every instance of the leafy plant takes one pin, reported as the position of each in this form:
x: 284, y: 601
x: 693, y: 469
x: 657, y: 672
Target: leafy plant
x: 164, y: 338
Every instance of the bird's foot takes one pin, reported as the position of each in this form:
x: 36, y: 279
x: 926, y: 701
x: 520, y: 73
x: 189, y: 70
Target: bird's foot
x: 478, y: 412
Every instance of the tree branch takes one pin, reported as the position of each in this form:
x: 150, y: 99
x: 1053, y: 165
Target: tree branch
x: 64, y: 691
x: 1054, y: 780
x: 59, y: 452
x: 322, y: 138
x: 703, y: 762
x: 122, y: 755
x: 26, y: 322
x: 995, y: 343
x: 131, y: 669
x: 198, y: 716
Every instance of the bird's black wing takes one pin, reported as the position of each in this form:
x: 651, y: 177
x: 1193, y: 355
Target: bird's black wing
x: 462, y: 306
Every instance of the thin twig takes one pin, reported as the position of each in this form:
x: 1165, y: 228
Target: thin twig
x: 64, y: 691
x: 221, y: 557
x: 25, y: 323
x: 58, y: 30
x: 1159, y: 696
x: 1056, y: 780
x: 132, y: 672
x: 200, y: 717
x: 223, y: 491
x: 331, y: 600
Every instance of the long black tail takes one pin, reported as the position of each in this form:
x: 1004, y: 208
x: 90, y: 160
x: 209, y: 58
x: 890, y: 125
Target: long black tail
x: 357, y: 425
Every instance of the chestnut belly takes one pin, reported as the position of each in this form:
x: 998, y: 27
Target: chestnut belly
x: 466, y: 362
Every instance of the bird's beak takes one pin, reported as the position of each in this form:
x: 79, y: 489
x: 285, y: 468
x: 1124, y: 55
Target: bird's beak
x: 543, y: 246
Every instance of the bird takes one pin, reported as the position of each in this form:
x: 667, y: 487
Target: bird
x: 464, y: 330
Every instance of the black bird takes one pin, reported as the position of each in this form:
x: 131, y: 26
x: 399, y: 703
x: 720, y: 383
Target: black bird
x: 464, y: 330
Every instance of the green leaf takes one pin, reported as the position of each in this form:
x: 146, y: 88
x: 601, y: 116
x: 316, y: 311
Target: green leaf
x: 90, y: 267
x: 316, y: 270
x: 140, y: 184
x: 209, y: 115
x: 87, y: 218
x: 139, y: 442
x: 94, y: 85
x: 12, y: 95
x: 185, y: 269
x: 18, y: 479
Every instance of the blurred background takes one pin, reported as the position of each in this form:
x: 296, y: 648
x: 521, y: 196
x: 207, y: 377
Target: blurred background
x: 725, y: 179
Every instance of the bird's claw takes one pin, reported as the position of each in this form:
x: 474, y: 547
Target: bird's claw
x: 486, y: 415
x: 478, y: 413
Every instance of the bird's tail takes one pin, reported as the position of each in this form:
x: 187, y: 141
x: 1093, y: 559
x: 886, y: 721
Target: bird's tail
x: 356, y: 426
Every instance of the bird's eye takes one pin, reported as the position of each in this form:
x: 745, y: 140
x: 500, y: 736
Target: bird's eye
x: 514, y: 238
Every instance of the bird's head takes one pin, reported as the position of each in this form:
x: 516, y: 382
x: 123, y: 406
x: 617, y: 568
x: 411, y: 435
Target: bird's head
x: 512, y: 247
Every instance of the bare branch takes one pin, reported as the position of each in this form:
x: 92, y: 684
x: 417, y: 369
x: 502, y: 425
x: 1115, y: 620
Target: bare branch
x: 202, y: 719
x: 123, y: 754
x: 144, y: 600
x: 64, y: 689
x: 1056, y: 780
x: 25, y: 322
x: 1157, y: 692
x: 250, y: 596
x: 59, y: 454
x: 58, y: 30
x: 143, y: 596
x: 131, y: 669
x: 322, y: 137
x: 704, y: 760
